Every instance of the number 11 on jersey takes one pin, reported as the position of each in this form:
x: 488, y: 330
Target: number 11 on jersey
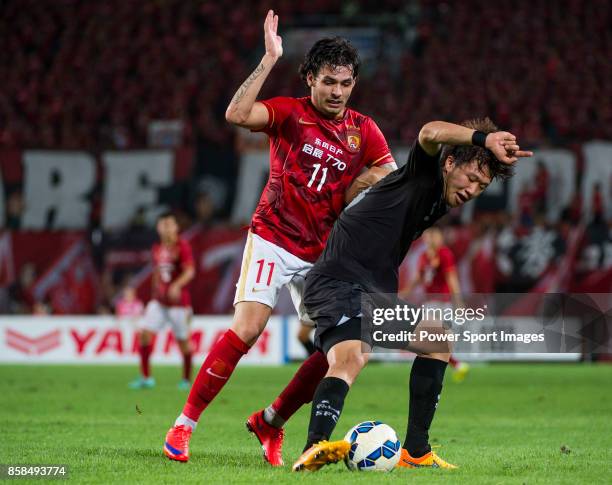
x: 261, y: 263
x: 317, y: 166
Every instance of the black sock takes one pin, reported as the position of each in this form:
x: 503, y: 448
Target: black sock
x: 309, y: 346
x: 426, y: 379
x: 326, y: 408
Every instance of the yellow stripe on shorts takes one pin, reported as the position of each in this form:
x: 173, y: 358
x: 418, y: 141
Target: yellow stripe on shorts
x: 246, y: 263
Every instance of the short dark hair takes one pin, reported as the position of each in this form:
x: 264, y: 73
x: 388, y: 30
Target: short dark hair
x: 466, y: 153
x: 333, y: 52
x: 165, y: 215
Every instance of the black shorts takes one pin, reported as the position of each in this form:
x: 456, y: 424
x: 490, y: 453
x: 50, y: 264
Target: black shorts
x: 342, y: 311
x: 331, y: 304
x: 351, y: 329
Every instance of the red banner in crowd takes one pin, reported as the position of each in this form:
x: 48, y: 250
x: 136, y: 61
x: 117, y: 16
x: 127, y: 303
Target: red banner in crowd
x: 57, y: 267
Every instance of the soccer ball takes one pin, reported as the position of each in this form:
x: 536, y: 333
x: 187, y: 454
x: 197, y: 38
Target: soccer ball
x: 374, y: 446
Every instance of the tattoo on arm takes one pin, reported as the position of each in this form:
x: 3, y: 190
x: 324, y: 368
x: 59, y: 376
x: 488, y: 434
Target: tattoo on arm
x: 246, y: 84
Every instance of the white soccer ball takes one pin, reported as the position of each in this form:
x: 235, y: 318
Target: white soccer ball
x: 374, y: 446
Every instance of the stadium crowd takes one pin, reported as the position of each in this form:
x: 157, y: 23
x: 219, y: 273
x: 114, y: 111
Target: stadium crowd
x: 97, y: 75
x: 94, y: 75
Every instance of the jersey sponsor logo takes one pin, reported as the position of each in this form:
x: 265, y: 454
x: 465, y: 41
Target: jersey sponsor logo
x: 302, y: 121
x: 353, y: 139
x: 328, y: 146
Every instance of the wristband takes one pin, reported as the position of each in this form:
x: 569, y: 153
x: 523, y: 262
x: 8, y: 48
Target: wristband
x: 479, y: 138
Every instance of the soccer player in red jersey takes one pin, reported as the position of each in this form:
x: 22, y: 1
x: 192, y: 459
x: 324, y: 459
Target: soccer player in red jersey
x: 318, y: 147
x: 173, y: 269
x: 437, y: 273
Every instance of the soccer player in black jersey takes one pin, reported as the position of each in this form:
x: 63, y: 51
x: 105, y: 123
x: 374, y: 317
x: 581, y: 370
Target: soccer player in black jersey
x: 448, y: 165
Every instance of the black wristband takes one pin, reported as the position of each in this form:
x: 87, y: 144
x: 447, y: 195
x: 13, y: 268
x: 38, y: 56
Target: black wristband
x: 479, y: 138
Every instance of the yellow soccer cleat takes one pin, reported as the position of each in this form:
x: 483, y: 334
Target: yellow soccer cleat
x: 430, y: 459
x: 321, y: 454
x: 461, y: 372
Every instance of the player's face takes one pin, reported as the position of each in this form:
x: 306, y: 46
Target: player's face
x: 331, y: 89
x: 167, y: 228
x: 433, y: 238
x: 464, y: 182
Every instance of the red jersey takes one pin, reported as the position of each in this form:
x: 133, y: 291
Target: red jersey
x: 313, y: 161
x: 168, y: 264
x: 433, y: 271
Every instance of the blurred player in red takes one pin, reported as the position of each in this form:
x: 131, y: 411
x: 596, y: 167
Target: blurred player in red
x: 437, y: 273
x: 170, y: 304
x: 318, y: 147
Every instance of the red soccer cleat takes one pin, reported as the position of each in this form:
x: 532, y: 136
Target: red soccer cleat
x: 176, y: 446
x: 271, y: 438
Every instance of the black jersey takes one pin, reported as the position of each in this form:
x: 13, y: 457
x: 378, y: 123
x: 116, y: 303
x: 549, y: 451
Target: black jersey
x: 372, y: 236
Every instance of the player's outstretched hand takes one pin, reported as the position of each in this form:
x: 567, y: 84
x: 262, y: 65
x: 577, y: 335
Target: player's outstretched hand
x: 274, y: 44
x: 505, y: 147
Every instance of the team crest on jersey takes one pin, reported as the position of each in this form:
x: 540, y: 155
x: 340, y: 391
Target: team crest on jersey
x: 353, y: 139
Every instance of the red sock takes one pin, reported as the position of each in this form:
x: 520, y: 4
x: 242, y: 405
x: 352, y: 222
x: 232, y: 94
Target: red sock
x: 454, y: 363
x: 214, y: 373
x: 145, y: 356
x: 187, y: 366
x: 302, y: 387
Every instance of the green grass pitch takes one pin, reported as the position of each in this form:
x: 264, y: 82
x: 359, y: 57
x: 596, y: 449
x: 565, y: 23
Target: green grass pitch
x: 507, y: 423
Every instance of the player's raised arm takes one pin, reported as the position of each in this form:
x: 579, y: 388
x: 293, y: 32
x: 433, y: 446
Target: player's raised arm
x: 243, y: 110
x: 502, y: 143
